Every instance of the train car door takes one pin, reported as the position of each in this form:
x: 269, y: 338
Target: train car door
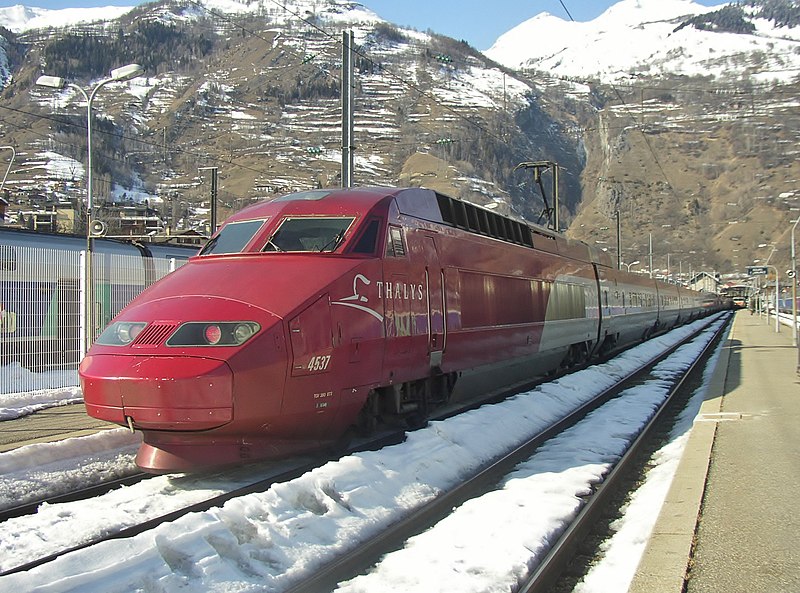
x: 395, y: 293
x: 434, y: 289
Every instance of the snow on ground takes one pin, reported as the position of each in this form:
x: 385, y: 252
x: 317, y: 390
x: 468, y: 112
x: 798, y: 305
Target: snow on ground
x: 533, y: 505
x: 268, y: 541
x: 624, y: 549
x: 45, y: 390
x: 21, y: 18
x: 43, y: 470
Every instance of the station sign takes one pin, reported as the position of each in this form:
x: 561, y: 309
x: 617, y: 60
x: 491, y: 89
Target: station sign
x: 757, y: 270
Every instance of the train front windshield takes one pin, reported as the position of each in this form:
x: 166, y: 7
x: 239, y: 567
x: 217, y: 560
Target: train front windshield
x: 233, y: 237
x: 304, y: 234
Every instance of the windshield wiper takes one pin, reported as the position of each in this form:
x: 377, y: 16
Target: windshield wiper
x: 333, y: 243
x: 209, y: 247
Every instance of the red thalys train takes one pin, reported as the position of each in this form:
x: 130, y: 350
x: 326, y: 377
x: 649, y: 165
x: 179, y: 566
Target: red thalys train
x: 323, y: 311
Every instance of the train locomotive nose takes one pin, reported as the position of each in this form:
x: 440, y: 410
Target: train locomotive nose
x: 196, y: 375
x: 158, y: 392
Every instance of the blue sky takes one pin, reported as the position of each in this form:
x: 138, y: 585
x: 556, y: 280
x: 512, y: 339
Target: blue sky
x: 479, y: 22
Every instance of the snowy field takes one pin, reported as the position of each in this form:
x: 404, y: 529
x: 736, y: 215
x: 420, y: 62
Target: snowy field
x: 270, y: 541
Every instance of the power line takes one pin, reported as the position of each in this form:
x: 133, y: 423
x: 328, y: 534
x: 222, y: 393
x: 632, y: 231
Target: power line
x: 566, y: 10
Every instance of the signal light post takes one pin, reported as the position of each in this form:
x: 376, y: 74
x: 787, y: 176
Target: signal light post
x: 56, y: 82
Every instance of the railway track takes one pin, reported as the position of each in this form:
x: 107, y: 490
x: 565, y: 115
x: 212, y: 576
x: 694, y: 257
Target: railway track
x: 282, y: 472
x: 389, y: 539
x: 562, y: 551
x: 561, y: 555
x: 81, y: 493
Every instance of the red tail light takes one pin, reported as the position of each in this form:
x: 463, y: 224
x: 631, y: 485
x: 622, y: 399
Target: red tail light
x: 213, y: 334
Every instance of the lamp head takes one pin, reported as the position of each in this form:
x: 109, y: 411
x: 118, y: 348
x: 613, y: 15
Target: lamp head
x: 53, y: 82
x: 126, y: 72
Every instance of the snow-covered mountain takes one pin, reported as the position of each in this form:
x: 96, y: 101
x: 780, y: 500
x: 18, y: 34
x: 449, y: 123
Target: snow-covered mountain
x: 264, y: 96
x: 636, y: 38
x: 21, y: 18
x: 632, y: 38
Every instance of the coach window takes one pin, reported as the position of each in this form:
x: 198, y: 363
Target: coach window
x: 395, y: 246
x: 233, y: 237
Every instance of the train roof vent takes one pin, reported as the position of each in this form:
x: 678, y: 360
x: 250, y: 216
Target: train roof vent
x: 154, y: 334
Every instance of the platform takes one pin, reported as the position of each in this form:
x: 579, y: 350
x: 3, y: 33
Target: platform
x: 730, y: 521
x: 52, y: 424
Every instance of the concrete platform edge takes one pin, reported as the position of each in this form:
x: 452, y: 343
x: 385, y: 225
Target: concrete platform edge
x: 665, y: 561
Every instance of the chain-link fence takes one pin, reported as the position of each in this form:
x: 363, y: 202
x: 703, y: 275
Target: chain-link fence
x: 42, y: 308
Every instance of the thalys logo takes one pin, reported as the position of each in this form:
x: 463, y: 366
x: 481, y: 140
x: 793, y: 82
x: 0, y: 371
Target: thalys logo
x: 386, y: 290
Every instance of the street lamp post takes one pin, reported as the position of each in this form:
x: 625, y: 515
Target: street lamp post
x: 56, y: 82
x: 11, y: 162
x: 793, y: 278
x: 633, y: 263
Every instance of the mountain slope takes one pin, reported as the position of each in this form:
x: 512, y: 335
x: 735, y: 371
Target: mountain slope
x: 253, y: 89
x: 704, y: 165
x: 693, y: 127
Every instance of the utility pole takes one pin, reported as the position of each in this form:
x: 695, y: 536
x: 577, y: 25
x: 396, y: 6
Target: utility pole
x: 213, y: 222
x: 549, y: 214
x: 619, y: 242
x: 347, y: 108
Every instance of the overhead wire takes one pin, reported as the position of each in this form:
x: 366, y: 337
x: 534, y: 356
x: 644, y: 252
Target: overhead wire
x: 564, y: 6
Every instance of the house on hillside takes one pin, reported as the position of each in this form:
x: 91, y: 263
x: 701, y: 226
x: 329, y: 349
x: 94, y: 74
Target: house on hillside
x: 43, y: 221
x: 704, y: 282
x: 184, y: 237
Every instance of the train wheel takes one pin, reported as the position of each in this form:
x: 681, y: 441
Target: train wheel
x: 369, y: 416
x: 340, y: 445
x: 421, y: 391
x: 571, y: 358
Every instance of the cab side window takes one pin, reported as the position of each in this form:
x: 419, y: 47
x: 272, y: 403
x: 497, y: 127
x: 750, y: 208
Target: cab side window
x: 366, y: 242
x: 395, y: 245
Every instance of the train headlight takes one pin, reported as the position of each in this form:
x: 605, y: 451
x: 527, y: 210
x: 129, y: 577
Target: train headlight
x: 209, y: 333
x: 243, y: 331
x: 121, y: 333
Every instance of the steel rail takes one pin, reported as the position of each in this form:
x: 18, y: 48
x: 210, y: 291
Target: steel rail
x: 30, y: 508
x: 552, y: 566
x: 368, y: 552
x: 380, y: 440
